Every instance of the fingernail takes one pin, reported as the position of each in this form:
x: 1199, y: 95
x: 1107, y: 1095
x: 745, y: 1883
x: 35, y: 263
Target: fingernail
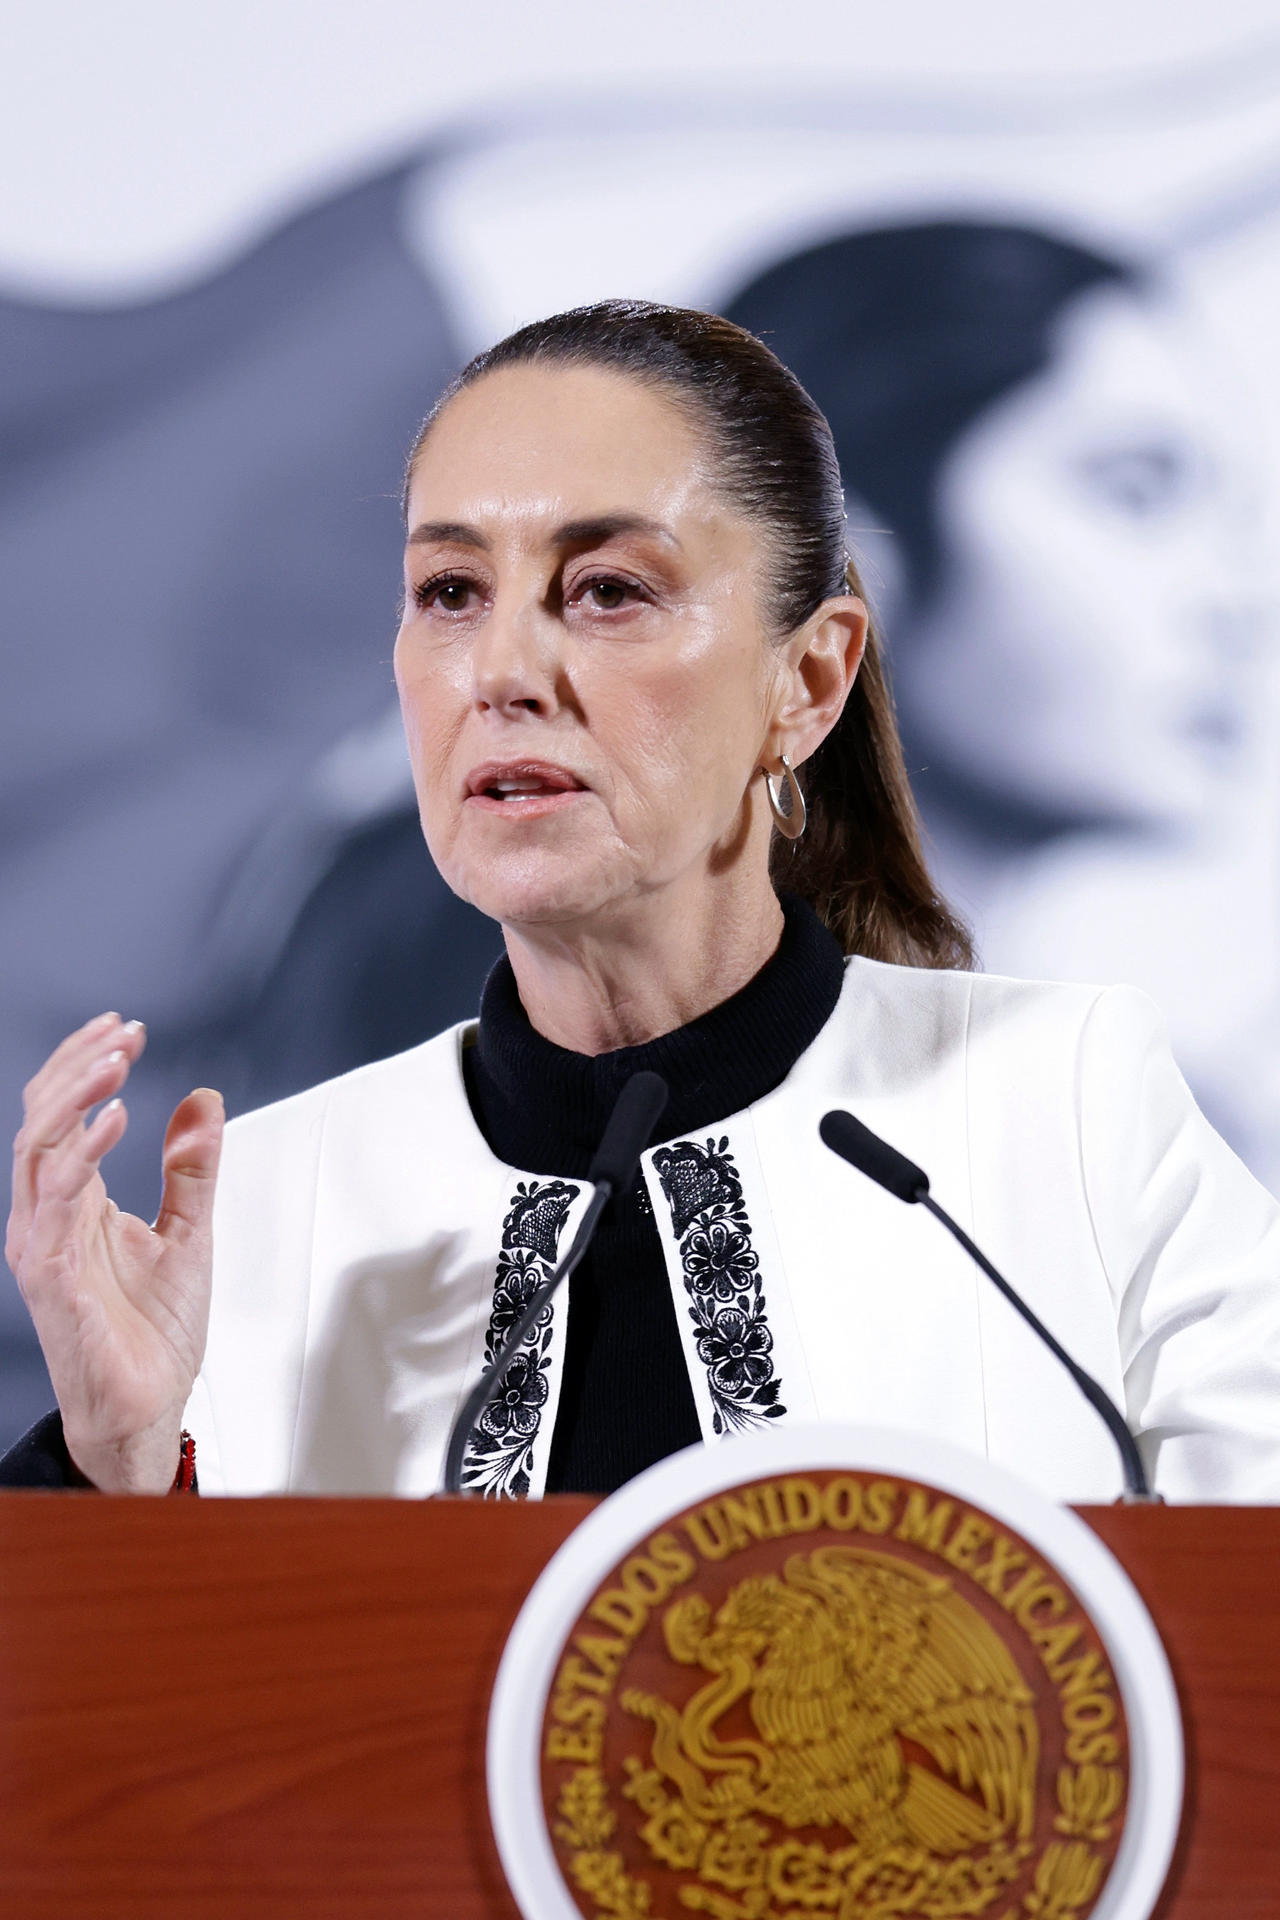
x: 111, y: 1105
x: 114, y: 1058
x: 102, y: 1022
x: 134, y: 1026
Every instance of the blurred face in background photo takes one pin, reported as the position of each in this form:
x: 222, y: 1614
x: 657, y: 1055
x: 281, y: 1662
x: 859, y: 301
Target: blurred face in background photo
x: 1059, y: 474
x: 1088, y: 653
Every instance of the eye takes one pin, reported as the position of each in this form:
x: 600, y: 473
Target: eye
x: 1140, y: 481
x: 607, y: 592
x: 446, y: 593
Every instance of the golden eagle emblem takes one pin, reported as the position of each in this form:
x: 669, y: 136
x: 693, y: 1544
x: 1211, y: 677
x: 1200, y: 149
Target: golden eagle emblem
x: 852, y: 1692
x: 906, y: 1715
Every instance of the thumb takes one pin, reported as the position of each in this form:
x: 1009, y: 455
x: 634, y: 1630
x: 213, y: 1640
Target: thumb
x: 192, y: 1146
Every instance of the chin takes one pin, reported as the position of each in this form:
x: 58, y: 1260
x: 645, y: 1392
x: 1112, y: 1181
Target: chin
x: 536, y: 889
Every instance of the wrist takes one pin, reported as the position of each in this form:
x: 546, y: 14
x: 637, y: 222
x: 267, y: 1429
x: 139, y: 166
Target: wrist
x: 146, y: 1463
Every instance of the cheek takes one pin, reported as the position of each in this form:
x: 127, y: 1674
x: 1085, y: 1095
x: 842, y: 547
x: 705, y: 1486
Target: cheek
x: 1044, y: 608
x: 433, y: 710
x: 683, y: 740
x: 1057, y: 565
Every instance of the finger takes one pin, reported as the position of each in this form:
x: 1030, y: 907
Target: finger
x: 53, y: 1083
x: 90, y: 1031
x: 192, y: 1146
x: 54, y: 1120
x: 104, y: 1131
x: 85, y: 1039
x: 38, y: 1231
x: 63, y: 1173
x: 50, y: 1160
x: 60, y: 1114
x: 59, y: 1109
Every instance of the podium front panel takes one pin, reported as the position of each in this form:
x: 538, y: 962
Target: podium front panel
x: 234, y: 1709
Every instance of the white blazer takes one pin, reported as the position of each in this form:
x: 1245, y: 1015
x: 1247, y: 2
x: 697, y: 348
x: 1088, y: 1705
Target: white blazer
x: 370, y: 1251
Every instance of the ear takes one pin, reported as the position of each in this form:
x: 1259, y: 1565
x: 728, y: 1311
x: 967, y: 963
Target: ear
x: 818, y: 665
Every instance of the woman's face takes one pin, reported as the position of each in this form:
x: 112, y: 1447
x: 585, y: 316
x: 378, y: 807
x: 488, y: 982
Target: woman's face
x: 585, y: 680
x: 1086, y: 660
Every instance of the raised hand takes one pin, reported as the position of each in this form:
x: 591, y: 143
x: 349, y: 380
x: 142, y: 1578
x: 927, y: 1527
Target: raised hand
x: 121, y: 1308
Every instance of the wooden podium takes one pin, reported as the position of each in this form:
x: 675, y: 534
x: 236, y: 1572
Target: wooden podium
x: 246, y: 1710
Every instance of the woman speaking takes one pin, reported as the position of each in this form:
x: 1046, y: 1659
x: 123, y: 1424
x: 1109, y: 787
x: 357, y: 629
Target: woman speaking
x: 651, y: 737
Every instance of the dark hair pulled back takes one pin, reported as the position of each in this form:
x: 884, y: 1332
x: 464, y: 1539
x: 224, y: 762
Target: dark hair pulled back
x: 859, y: 863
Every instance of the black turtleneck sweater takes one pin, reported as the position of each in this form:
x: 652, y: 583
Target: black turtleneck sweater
x: 625, y: 1399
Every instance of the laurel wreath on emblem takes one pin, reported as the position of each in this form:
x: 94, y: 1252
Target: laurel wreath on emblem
x: 841, y: 1659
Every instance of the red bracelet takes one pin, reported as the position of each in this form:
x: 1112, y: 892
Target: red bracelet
x: 184, y: 1480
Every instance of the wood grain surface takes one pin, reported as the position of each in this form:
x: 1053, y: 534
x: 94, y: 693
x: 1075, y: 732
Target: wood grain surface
x: 224, y: 1710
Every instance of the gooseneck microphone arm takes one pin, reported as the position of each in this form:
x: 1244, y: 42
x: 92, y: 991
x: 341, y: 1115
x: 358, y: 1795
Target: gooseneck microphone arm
x: 635, y: 1114
x: 901, y: 1177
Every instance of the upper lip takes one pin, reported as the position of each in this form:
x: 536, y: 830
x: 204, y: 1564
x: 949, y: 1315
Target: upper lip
x: 480, y: 779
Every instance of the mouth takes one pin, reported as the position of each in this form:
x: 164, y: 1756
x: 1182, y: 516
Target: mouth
x: 522, y: 789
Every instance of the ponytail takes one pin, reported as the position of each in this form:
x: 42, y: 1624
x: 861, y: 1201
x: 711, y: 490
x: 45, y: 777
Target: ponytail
x: 859, y: 862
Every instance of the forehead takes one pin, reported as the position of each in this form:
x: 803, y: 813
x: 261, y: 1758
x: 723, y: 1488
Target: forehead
x: 564, y: 442
x: 1130, y: 362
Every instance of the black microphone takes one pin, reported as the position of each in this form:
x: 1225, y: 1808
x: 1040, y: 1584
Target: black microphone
x: 901, y: 1177
x: 636, y: 1112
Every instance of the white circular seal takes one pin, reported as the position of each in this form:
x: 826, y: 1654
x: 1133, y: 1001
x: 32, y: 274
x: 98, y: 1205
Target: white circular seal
x: 631, y: 1515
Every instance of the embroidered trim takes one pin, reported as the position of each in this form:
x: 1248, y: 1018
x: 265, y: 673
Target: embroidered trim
x: 499, y: 1458
x: 721, y: 1272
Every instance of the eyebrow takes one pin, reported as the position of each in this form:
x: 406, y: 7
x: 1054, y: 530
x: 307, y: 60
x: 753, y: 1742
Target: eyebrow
x: 591, y: 532
x: 608, y: 526
x: 447, y: 533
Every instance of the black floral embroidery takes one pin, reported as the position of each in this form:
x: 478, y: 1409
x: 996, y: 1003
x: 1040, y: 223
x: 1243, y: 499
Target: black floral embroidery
x: 499, y: 1456
x: 721, y: 1272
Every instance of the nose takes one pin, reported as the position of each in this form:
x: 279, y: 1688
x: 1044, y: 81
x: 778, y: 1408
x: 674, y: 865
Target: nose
x: 514, y: 666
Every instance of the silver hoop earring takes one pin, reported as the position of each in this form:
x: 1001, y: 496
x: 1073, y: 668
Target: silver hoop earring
x: 786, y: 802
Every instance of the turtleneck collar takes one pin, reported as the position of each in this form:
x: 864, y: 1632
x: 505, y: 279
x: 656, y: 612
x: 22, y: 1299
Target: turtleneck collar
x: 542, y: 1108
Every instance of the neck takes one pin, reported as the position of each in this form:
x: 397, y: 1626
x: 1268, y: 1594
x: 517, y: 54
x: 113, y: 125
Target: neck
x: 596, y: 986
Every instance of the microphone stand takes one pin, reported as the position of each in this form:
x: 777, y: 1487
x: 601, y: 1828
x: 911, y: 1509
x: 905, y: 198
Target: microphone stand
x: 866, y: 1151
x: 1137, y: 1490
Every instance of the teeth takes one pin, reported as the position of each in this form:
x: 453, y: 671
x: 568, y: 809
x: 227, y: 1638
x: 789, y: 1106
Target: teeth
x: 510, y: 789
